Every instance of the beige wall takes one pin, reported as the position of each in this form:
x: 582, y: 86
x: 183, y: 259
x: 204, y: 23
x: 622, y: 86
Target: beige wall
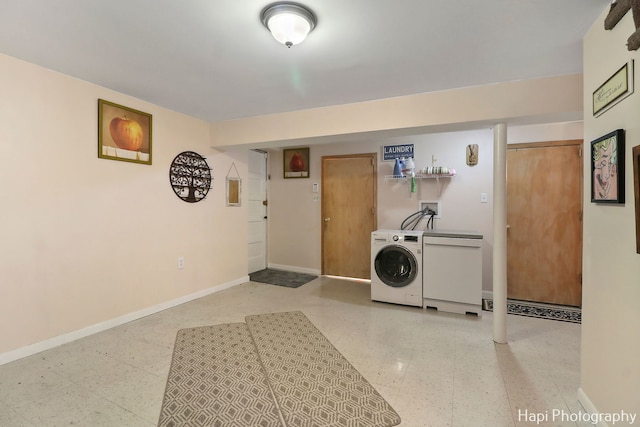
x: 525, y: 102
x: 295, y: 219
x: 611, y: 287
x: 88, y: 241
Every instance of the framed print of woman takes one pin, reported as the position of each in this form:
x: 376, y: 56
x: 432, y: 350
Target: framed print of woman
x: 608, y: 168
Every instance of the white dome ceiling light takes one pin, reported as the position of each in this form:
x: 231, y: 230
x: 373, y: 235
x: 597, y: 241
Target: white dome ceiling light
x: 288, y: 22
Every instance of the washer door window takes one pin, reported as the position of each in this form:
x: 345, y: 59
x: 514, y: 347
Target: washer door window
x: 396, y: 266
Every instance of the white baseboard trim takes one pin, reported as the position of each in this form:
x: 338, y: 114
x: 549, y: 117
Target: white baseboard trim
x: 50, y: 343
x: 487, y: 294
x: 295, y: 269
x: 589, y: 407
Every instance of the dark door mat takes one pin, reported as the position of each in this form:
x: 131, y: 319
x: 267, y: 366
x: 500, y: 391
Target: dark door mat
x: 289, y: 279
x: 542, y: 311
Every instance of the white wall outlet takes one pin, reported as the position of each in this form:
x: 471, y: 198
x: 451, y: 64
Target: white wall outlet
x: 180, y: 263
x: 484, y: 198
x: 316, y: 198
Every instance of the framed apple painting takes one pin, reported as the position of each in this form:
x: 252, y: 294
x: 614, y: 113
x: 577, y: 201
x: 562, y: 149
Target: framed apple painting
x: 296, y: 162
x: 123, y: 133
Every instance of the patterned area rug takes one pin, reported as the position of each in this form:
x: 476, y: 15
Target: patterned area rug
x: 543, y: 311
x: 216, y: 379
x: 273, y: 276
x: 313, y: 383
x: 275, y: 370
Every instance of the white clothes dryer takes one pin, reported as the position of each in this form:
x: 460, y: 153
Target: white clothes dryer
x: 396, y: 266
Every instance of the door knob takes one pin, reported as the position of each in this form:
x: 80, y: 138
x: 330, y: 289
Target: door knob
x: 327, y: 219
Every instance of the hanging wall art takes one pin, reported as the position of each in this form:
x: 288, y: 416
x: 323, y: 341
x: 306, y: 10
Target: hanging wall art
x: 234, y: 186
x: 607, y: 168
x: 190, y: 176
x: 296, y: 162
x: 472, y: 154
x: 123, y: 133
x: 616, y: 88
x: 636, y: 191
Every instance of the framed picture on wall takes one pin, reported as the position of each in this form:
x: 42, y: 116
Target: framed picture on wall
x: 123, y: 133
x: 607, y: 168
x: 613, y: 90
x: 636, y: 191
x: 296, y: 162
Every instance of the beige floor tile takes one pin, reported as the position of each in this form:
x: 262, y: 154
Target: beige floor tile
x: 434, y: 368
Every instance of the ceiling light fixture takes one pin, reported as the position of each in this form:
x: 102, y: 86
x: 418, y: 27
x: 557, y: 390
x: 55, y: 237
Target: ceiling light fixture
x: 288, y: 22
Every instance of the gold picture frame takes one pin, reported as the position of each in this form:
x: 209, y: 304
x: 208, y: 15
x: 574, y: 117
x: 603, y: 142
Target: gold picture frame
x: 615, y: 89
x: 123, y: 133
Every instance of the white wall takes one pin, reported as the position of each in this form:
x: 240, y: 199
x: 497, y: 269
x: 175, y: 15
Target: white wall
x: 295, y: 219
x: 84, y: 240
x: 611, y: 271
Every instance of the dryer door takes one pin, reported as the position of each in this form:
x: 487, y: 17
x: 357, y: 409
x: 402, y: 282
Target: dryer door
x: 396, y: 266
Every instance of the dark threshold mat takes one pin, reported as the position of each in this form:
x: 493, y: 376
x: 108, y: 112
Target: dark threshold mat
x: 272, y: 276
x: 542, y: 311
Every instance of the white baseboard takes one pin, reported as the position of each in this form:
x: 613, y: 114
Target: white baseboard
x: 50, y: 343
x: 295, y: 269
x: 589, y: 407
x: 487, y: 294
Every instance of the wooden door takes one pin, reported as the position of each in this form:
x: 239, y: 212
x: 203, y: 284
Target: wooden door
x: 348, y: 214
x: 257, y: 209
x: 544, y: 216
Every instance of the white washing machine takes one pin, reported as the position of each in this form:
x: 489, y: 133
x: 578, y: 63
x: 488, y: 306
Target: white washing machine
x: 396, y: 266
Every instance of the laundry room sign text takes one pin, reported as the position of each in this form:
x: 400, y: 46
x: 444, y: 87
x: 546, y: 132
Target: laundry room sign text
x: 392, y: 152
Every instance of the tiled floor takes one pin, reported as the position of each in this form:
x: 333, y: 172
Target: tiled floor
x: 436, y: 369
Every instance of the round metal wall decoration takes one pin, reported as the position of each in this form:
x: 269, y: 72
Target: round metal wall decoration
x: 190, y: 176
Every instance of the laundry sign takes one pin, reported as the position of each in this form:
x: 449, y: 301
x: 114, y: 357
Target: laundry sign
x: 392, y: 152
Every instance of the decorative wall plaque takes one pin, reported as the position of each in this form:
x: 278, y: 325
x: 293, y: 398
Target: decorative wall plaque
x: 472, y: 154
x: 190, y: 176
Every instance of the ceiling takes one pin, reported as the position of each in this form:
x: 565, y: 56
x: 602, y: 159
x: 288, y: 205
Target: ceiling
x: 214, y: 60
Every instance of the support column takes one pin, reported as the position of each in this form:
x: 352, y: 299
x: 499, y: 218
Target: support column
x: 500, y: 233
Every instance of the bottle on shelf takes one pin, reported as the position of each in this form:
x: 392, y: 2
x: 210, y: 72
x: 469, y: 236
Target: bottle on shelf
x: 397, y: 169
x: 410, y: 167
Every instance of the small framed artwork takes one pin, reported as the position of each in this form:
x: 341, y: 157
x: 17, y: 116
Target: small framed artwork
x: 234, y: 188
x: 296, y: 162
x: 607, y: 168
x: 636, y: 191
x: 123, y: 133
x: 472, y: 154
x: 614, y: 89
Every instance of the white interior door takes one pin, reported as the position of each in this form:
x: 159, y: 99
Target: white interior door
x: 256, y: 199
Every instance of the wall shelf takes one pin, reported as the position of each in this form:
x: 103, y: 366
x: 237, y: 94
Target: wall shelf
x: 403, y: 179
x: 418, y: 176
